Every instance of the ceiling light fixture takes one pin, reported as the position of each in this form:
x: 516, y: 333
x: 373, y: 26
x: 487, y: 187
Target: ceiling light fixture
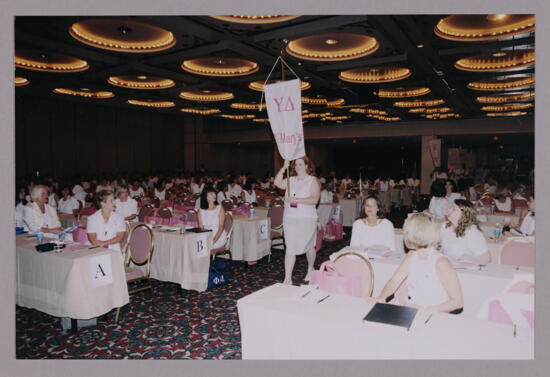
x: 217, y: 67
x: 402, y: 92
x: 141, y: 82
x: 255, y: 19
x: 85, y: 92
x: 151, y: 103
x: 206, y: 95
x: 481, y: 27
x: 52, y: 62
x: 332, y: 47
x: 371, y: 75
x: 259, y: 85
x: 510, y: 83
x: 489, y: 63
x: 506, y: 98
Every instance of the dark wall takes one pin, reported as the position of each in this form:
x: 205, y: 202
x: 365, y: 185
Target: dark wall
x: 64, y: 138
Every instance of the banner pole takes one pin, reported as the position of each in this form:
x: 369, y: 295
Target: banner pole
x: 283, y: 79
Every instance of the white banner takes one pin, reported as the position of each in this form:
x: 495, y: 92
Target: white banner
x: 263, y: 230
x: 284, y: 109
x: 100, y: 270
x: 435, y: 149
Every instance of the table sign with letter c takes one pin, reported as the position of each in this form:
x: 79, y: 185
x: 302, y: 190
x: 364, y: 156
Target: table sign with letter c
x: 263, y: 230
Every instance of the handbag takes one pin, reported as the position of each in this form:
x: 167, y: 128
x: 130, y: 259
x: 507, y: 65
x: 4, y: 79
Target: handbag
x: 330, y: 280
x: 216, y: 273
x: 333, y: 231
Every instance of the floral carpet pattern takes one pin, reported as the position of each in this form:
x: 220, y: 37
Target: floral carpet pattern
x: 175, y: 324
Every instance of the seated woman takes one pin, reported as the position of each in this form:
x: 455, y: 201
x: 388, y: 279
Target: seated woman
x: 38, y: 215
x: 504, y: 202
x: 20, y: 203
x: 439, y: 205
x: 248, y: 194
x: 136, y: 190
x: 160, y: 190
x: 461, y: 238
x: 223, y: 193
x: 68, y: 204
x: 326, y: 195
x: 371, y: 231
x: 450, y: 192
x: 431, y: 280
x: 106, y: 228
x: 212, y: 216
x: 526, y: 225
x: 125, y: 206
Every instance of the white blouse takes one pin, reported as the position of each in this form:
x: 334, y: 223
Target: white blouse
x: 299, y: 189
x: 439, y: 207
x: 35, y: 219
x: 326, y: 196
x: 211, y: 220
x: 423, y: 284
x: 250, y: 198
x: 160, y: 194
x: 528, y: 225
x: 467, y: 248
x: 381, y: 234
x: 67, y: 206
x: 506, y: 206
x: 106, y: 230
x: 127, y: 208
x: 138, y: 192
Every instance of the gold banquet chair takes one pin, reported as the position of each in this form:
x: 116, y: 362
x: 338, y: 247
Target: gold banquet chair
x: 348, y: 265
x: 228, y: 227
x: 140, y: 249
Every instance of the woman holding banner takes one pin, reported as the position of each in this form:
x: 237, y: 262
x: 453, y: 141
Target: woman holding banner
x: 300, y: 215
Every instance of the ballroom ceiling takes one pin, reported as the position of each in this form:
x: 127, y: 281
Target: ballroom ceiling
x: 205, y: 64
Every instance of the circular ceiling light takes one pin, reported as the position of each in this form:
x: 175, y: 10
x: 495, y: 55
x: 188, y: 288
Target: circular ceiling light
x: 507, y: 114
x: 436, y: 110
x: 201, y: 111
x: 507, y: 98
x: 247, y: 106
x: 402, y: 92
x: 141, y: 82
x: 417, y: 110
x: 338, y: 117
x: 255, y: 19
x: 419, y: 103
x: 21, y: 81
x: 220, y: 67
x: 484, y: 27
x: 509, y: 83
x: 237, y: 117
x: 151, y: 103
x: 368, y: 111
x: 48, y: 62
x: 260, y: 120
x: 336, y: 102
x: 442, y: 116
x: 259, y: 85
x: 206, y: 95
x: 332, y: 47
x: 85, y: 92
x: 510, y: 107
x: 490, y: 63
x: 369, y: 75
x: 122, y: 35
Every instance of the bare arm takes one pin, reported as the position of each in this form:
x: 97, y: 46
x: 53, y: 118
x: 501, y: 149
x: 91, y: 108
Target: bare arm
x: 395, y: 281
x: 92, y: 237
x: 220, y: 226
x: 279, y: 181
x: 199, y: 219
x: 449, y: 279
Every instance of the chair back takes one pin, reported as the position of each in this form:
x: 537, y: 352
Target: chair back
x: 227, y: 205
x: 88, y: 211
x: 518, y: 252
x: 235, y: 199
x: 140, y: 245
x: 486, y: 200
x: 165, y: 213
x: 260, y: 200
x: 146, y: 210
x: 275, y: 213
x: 155, y: 202
x: 228, y: 227
x: 521, y: 203
x: 277, y: 201
x: 191, y: 215
x: 124, y: 242
x: 348, y: 265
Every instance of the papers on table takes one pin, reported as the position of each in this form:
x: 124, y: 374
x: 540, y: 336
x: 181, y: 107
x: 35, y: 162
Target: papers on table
x: 309, y: 293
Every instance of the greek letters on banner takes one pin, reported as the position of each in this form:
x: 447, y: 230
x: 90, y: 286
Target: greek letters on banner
x: 201, y: 245
x: 284, y: 109
x: 263, y: 230
x: 435, y: 150
x: 100, y: 271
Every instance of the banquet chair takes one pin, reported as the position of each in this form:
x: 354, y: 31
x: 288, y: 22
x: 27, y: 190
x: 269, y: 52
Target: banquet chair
x: 139, y: 249
x: 228, y: 227
x: 277, y: 201
x: 124, y: 242
x: 155, y: 202
x: 227, y: 205
x: 260, y: 200
x: 192, y: 215
x: 165, y: 213
x: 146, y: 210
x: 347, y: 265
x: 275, y: 213
x: 486, y: 200
x: 521, y: 203
x: 518, y: 252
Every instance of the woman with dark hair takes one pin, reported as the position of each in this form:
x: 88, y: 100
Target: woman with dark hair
x: 223, y: 192
x: 450, y: 192
x: 526, y: 225
x: 212, y: 216
x: 160, y: 189
x: 504, y: 202
x: 248, y: 194
x: 461, y: 238
x: 372, y: 231
x: 20, y: 203
x: 439, y: 206
x: 300, y: 215
x: 106, y: 228
x: 67, y: 204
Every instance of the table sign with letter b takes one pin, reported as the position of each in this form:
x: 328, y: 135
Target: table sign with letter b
x: 201, y: 245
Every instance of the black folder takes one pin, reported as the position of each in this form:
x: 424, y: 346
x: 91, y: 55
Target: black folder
x: 198, y: 230
x: 391, y: 314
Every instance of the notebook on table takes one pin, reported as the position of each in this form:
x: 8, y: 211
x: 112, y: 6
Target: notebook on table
x: 198, y: 230
x: 391, y: 314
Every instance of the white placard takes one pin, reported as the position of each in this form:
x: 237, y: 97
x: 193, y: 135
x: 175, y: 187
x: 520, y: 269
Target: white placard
x: 335, y: 214
x: 435, y: 149
x: 201, y: 245
x: 100, y: 269
x: 284, y: 109
x: 263, y: 230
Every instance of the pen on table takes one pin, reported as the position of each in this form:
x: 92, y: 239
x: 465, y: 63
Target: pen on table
x: 514, y: 330
x: 93, y: 247
x: 323, y: 299
x: 307, y: 293
x: 429, y: 317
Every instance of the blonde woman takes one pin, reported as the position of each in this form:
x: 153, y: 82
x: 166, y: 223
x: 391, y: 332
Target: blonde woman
x: 39, y: 216
x: 432, y: 282
x: 461, y: 237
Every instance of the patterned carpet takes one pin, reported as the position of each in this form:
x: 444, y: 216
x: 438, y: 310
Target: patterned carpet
x: 180, y: 324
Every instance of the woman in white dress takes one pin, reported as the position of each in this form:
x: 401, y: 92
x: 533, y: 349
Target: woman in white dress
x: 450, y: 192
x: 431, y: 281
x: 68, y: 204
x: 38, y: 215
x: 248, y: 194
x: 300, y: 215
x: 160, y: 190
x: 212, y: 216
x: 504, y: 203
x: 526, y: 224
x: 326, y: 195
x: 439, y: 205
x: 371, y: 231
x: 106, y: 228
x: 461, y: 238
x: 125, y: 206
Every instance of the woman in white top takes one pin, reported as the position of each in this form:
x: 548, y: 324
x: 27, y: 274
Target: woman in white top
x: 38, y: 215
x: 526, y: 225
x: 431, y: 281
x: 103, y: 186
x: 450, y: 192
x: 106, y: 228
x: 326, y: 195
x: 248, y: 194
x: 212, y: 216
x: 234, y: 188
x: 371, y: 231
x: 160, y: 190
x: 136, y: 190
x: 504, y: 202
x: 68, y: 204
x: 52, y: 196
x: 461, y: 238
x: 20, y: 203
x: 300, y: 215
x: 125, y: 206
x: 79, y: 193
x: 224, y: 192
x: 439, y: 205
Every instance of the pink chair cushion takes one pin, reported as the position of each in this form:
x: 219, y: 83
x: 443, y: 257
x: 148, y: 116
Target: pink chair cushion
x: 140, y: 243
x: 275, y: 234
x: 349, y: 266
x: 133, y: 273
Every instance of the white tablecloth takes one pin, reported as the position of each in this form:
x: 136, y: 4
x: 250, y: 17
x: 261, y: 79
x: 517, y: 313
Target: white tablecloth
x: 276, y: 325
x: 351, y: 208
x: 62, y: 284
x: 323, y: 212
x: 246, y: 244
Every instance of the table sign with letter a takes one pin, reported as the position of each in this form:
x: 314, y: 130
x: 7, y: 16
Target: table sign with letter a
x: 100, y: 270
x: 263, y: 230
x: 201, y: 245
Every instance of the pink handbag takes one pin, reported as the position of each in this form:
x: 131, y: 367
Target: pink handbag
x: 329, y: 280
x: 333, y: 231
x: 80, y: 235
x: 242, y: 210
